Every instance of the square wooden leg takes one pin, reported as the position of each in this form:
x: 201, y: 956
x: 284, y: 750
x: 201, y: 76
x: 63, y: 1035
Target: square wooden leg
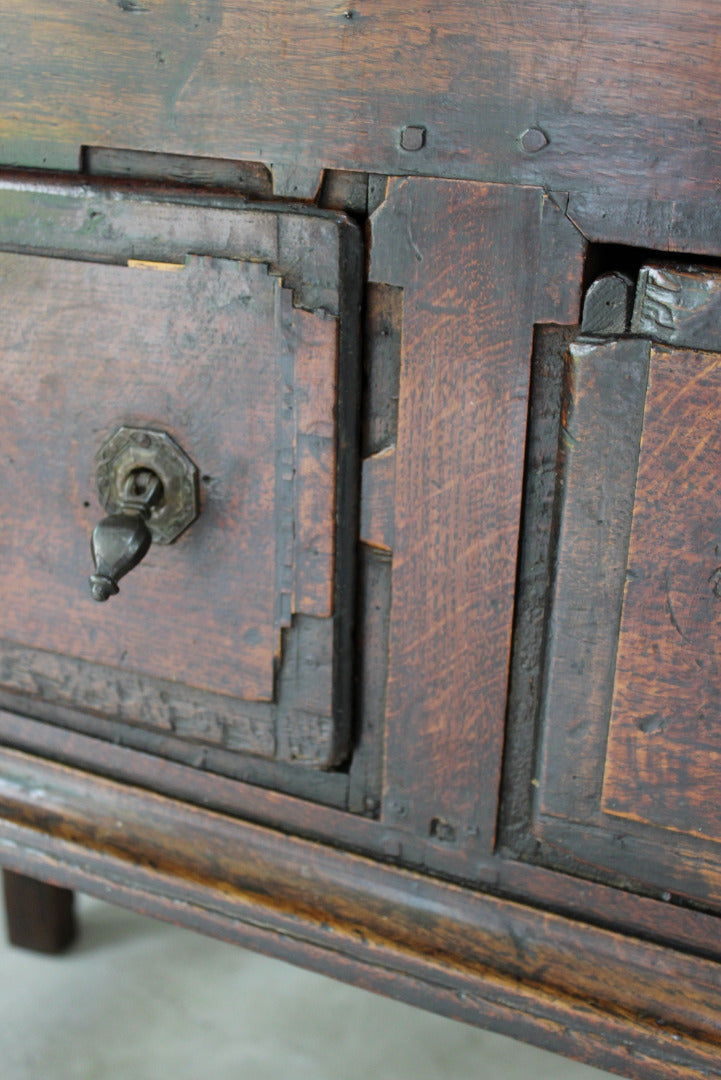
x: 39, y: 917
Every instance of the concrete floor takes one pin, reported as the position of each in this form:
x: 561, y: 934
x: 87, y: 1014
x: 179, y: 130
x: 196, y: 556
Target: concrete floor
x: 138, y: 1000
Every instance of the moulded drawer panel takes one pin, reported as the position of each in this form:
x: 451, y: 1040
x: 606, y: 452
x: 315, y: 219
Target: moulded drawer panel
x: 232, y: 632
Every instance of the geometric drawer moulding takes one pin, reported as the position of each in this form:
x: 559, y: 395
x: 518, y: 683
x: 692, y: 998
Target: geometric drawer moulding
x: 233, y: 328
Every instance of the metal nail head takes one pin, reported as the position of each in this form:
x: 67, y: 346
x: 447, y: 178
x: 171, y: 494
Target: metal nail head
x: 413, y: 138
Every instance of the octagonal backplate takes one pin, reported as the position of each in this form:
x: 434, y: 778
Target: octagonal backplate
x: 129, y: 449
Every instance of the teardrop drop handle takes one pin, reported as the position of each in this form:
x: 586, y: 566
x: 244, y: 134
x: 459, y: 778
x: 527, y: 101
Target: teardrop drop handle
x: 148, y: 486
x: 118, y: 544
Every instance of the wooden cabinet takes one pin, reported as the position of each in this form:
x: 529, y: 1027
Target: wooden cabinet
x: 426, y: 697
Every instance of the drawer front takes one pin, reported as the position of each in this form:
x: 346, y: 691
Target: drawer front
x: 664, y: 747
x: 631, y: 710
x: 233, y: 330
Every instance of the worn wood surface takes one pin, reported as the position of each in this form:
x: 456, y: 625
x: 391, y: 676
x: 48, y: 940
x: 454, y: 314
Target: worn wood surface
x: 312, y: 816
x: 185, y: 610
x: 597, y: 994
x: 591, y: 97
x: 601, y: 431
x: 248, y: 384
x: 680, y: 305
x: 314, y: 359
x: 607, y: 306
x: 116, y: 220
x: 612, y: 113
x: 345, y: 190
x: 691, y: 224
x: 247, y: 178
x: 669, y: 866
x: 561, y: 264
x: 381, y: 367
x: 467, y: 330
x: 623, y: 779
x: 663, y: 753
x: 39, y: 917
x: 536, y: 555
x: 378, y: 482
x: 373, y: 617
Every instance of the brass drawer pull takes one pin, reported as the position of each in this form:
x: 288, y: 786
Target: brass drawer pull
x: 149, y: 488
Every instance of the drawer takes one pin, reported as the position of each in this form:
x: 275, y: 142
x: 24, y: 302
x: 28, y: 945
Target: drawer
x: 231, y: 328
x: 628, y: 740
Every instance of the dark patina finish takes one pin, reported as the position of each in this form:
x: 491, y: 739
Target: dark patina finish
x: 149, y: 486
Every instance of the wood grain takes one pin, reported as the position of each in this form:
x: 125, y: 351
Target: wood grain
x: 248, y: 382
x: 456, y: 249
x: 623, y: 776
x: 312, y: 816
x: 535, y: 571
x: 377, y: 518
x: 366, y: 770
x: 381, y: 367
x: 203, y: 608
x: 132, y: 697
x: 691, y: 224
x: 601, y: 431
x: 664, y: 755
x: 250, y: 179
x: 562, y: 259
x: 625, y: 96
x: 117, y: 220
x: 316, y: 393
x: 594, y: 993
x: 669, y: 866
x: 610, y: 112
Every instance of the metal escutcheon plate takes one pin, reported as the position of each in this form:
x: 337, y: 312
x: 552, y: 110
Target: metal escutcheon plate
x: 129, y: 449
